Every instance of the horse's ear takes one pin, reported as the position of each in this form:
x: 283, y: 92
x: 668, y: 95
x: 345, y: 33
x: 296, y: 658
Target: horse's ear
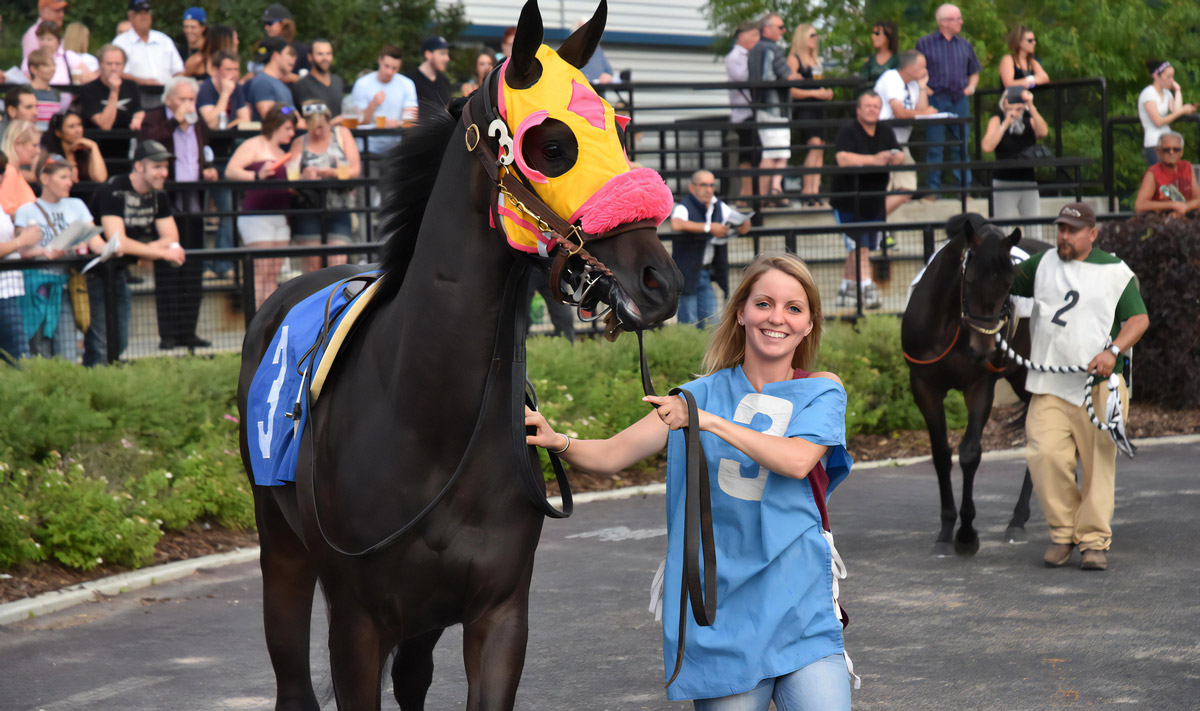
x: 523, y: 68
x: 1015, y: 237
x: 582, y: 43
x: 960, y: 227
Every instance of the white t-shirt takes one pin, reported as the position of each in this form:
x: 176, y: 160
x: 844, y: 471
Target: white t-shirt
x: 156, y: 58
x: 61, y: 213
x: 399, y: 94
x: 11, y: 282
x: 737, y: 69
x: 1161, y: 102
x: 889, y: 86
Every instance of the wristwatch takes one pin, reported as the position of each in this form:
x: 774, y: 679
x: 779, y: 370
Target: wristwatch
x: 1115, y: 350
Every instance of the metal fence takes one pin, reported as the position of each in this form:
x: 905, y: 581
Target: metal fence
x: 226, y: 306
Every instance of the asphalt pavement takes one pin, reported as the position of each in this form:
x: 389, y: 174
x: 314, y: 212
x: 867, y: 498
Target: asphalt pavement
x: 996, y: 631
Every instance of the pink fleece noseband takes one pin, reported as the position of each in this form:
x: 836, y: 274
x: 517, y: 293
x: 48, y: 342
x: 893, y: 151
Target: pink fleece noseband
x: 639, y: 194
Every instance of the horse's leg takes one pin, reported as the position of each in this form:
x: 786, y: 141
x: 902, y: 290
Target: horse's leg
x: 929, y: 400
x: 412, y: 670
x: 978, y: 396
x: 494, y: 653
x: 289, y: 580
x: 1016, y: 526
x: 357, y: 650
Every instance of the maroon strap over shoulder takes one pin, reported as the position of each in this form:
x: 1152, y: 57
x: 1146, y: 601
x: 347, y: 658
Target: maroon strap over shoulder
x: 818, y: 480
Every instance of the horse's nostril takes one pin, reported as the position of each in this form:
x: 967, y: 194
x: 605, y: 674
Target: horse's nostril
x: 650, y: 280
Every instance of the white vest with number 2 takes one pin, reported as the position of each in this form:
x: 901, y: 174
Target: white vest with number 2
x: 1075, y: 303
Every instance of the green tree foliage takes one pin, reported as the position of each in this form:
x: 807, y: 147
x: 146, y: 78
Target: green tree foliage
x: 1076, y: 39
x: 357, y: 28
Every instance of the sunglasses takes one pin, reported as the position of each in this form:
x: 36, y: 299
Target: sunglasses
x: 812, y: 34
x: 1170, y: 149
x: 286, y: 110
x: 310, y: 109
x: 878, y: 33
x: 1032, y: 40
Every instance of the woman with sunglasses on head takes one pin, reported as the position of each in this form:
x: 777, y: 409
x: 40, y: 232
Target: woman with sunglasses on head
x: 1020, y: 67
x: 263, y: 159
x: 1159, y: 105
x: 885, y: 40
x: 1012, y: 133
x: 805, y: 64
x: 326, y: 152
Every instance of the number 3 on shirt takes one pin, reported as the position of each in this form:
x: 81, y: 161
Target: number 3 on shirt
x: 729, y: 475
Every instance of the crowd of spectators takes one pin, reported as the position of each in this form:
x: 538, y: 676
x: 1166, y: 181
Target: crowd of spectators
x: 94, y: 137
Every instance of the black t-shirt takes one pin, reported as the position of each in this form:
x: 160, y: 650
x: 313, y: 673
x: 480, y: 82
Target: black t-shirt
x: 309, y: 88
x: 93, y: 99
x: 138, y: 210
x: 854, y: 139
x: 436, y: 91
x: 1010, y: 147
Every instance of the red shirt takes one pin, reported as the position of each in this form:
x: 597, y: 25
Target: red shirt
x: 1181, y: 178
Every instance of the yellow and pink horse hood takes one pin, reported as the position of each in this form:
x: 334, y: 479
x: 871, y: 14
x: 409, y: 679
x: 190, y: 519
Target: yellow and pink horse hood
x: 601, y: 190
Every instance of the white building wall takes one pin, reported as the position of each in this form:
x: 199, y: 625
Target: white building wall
x: 681, y: 17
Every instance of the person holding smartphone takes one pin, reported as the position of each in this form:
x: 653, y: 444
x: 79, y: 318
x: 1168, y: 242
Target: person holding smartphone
x: 1012, y: 133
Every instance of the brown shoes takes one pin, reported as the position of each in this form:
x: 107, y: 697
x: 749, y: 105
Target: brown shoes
x: 1058, y: 554
x: 1094, y: 560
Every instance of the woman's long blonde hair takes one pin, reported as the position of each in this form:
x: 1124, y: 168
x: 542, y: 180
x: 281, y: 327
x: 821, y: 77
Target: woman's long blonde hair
x: 800, y: 45
x: 76, y: 38
x: 727, y: 347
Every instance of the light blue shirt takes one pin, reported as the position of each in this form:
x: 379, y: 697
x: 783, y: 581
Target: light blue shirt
x: 775, y: 609
x: 400, y: 93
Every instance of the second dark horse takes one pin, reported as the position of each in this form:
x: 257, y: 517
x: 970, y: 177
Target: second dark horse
x: 948, y: 337
x: 397, y: 412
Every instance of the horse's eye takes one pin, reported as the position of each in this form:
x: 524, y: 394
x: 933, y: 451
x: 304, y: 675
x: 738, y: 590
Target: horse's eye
x: 552, y: 151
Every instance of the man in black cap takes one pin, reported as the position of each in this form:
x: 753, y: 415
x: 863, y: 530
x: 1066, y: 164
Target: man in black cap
x: 267, y: 88
x: 430, y: 78
x: 1087, y: 309
x: 134, y: 210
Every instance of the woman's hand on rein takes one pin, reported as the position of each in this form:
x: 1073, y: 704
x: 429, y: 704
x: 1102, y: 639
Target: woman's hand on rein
x: 673, y: 411
x: 545, y: 436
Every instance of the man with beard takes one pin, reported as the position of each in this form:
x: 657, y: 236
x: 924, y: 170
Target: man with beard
x: 1086, y: 306
x: 177, y: 126
x: 430, y: 77
x: 320, y: 83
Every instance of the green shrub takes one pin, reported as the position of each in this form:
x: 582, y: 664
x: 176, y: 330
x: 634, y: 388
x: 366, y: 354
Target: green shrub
x: 99, y: 461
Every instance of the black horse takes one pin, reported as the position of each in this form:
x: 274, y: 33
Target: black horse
x: 948, y: 338
x: 397, y: 413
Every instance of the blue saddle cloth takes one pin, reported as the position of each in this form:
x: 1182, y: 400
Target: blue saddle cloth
x: 276, y: 412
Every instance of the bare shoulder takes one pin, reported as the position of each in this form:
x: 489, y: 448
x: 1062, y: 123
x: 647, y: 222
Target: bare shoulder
x: 828, y: 375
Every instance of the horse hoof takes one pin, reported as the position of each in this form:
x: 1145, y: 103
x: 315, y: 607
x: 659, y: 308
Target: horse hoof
x: 943, y: 549
x: 1015, y: 534
x: 970, y: 547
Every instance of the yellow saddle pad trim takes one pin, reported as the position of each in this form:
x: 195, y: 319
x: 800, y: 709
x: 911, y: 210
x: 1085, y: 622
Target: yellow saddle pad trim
x: 339, y: 337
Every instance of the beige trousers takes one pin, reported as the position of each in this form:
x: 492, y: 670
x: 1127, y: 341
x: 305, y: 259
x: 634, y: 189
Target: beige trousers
x: 1056, y: 434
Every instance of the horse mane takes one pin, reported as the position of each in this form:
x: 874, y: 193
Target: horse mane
x: 409, y: 176
x: 994, y: 251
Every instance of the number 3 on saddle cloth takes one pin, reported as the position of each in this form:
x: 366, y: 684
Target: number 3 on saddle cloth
x: 301, y: 354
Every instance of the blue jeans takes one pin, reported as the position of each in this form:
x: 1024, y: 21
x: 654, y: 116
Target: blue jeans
x: 823, y: 685
x: 698, y: 308
x: 63, y: 345
x: 95, y: 341
x: 960, y: 134
x: 223, y: 200
x: 13, y: 345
